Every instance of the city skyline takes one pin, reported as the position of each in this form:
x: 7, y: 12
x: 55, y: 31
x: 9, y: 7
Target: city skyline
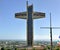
x: 11, y: 28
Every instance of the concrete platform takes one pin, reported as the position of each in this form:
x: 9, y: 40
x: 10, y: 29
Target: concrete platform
x: 32, y: 48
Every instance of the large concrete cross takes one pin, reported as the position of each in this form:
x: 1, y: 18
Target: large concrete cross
x: 30, y: 15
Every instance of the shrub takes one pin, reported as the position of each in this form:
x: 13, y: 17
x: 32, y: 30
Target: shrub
x: 2, y: 48
x: 33, y: 48
x: 24, y: 48
x: 44, y: 48
x: 57, y: 49
x: 15, y: 48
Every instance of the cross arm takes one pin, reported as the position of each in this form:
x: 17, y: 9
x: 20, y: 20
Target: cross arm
x: 37, y: 15
x: 50, y: 27
x: 22, y: 15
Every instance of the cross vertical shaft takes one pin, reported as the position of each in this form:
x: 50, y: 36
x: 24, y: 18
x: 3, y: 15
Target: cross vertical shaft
x: 30, y: 27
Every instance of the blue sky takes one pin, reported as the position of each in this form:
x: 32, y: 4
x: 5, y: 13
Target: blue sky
x: 13, y: 28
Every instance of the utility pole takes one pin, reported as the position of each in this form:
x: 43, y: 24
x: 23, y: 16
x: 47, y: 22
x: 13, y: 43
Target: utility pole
x: 50, y: 31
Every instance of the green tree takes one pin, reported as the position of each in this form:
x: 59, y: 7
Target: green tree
x: 57, y: 49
